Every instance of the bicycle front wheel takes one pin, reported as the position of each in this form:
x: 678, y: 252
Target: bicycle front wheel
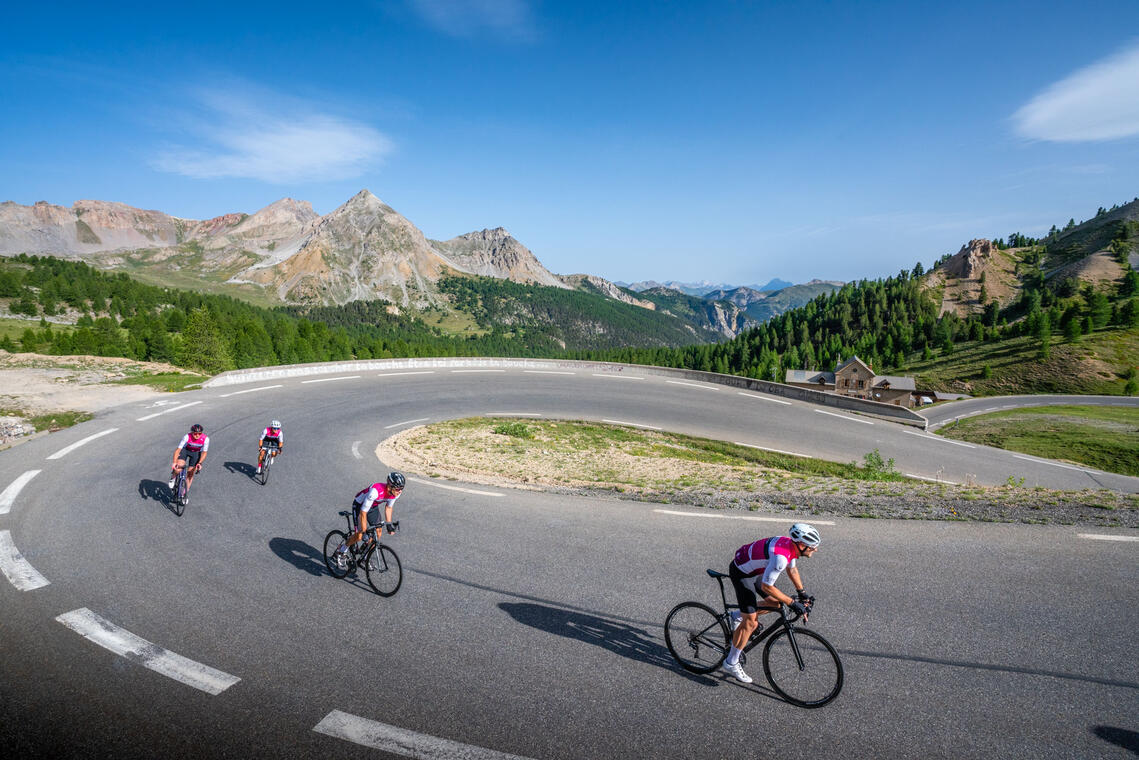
x: 382, y: 568
x: 812, y: 679
x: 331, y: 542
x: 696, y: 636
x: 265, y: 470
x: 180, y: 496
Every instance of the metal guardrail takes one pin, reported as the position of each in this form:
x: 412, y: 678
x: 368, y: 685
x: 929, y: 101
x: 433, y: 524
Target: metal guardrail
x: 874, y: 408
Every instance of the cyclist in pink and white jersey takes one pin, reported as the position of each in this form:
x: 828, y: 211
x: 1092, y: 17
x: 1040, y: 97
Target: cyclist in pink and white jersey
x: 753, y: 573
x: 374, y: 494
x: 272, y: 440
x: 191, y: 452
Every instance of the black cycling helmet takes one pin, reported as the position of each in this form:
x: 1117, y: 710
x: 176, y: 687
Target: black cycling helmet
x: 397, y: 480
x: 196, y: 428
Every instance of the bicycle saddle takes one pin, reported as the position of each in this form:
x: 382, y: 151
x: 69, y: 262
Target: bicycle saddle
x: 716, y: 574
x: 345, y: 513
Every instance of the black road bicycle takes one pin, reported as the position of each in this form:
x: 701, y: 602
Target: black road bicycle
x: 380, y: 562
x: 270, y: 455
x: 800, y: 665
x: 179, y: 497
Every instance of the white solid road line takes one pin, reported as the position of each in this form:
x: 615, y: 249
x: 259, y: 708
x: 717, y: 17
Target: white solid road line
x: 931, y: 480
x: 22, y: 575
x: 398, y: 374
x: 125, y: 644
x: 453, y: 488
x: 250, y: 390
x: 406, y: 422
x: 618, y: 377
x: 1056, y: 464
x: 940, y: 439
x: 1105, y: 537
x: 764, y: 398
x: 356, y: 450
x: 547, y: 372
x: 68, y: 449
x: 736, y: 517
x: 401, y: 741
x: 632, y: 424
x: 692, y: 385
x: 330, y: 379
x: 8, y: 498
x: 777, y: 451
x: 469, y: 371
x: 167, y: 411
x: 844, y: 417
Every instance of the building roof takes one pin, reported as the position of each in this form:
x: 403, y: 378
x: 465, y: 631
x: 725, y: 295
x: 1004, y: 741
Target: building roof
x: 850, y: 361
x: 809, y: 376
x: 897, y: 383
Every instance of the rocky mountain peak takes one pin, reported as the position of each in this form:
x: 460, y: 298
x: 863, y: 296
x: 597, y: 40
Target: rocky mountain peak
x: 970, y: 260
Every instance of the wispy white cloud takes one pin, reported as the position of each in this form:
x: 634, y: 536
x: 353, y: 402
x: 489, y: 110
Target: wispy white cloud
x: 1098, y: 102
x: 253, y: 135
x: 512, y: 19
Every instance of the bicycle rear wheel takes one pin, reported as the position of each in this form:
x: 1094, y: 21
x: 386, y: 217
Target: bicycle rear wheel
x: 696, y: 636
x: 331, y: 542
x: 382, y: 568
x: 817, y: 682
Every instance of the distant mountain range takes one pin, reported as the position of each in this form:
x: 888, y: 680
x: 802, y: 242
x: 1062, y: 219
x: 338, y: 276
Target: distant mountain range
x: 286, y: 253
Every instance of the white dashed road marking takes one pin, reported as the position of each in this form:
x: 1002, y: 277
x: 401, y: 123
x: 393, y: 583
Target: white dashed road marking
x: 692, y: 385
x: 250, y: 390
x: 844, y: 417
x: 1104, y: 537
x: 407, y: 422
x: 22, y: 575
x: 453, y: 488
x: 167, y: 411
x: 329, y: 379
x: 356, y: 450
x: 68, y: 449
x: 547, y: 372
x: 400, y: 741
x: 764, y: 398
x: 8, y: 498
x: 125, y: 644
x: 777, y: 451
x: 632, y: 424
x: 397, y: 374
x: 618, y: 377
x: 1055, y: 464
x: 939, y: 438
x: 718, y: 516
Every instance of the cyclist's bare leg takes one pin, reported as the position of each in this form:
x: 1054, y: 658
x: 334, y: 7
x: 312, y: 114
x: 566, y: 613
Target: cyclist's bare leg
x: 260, y: 457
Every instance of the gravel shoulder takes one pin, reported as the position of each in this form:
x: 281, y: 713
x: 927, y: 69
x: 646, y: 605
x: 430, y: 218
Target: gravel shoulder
x: 634, y: 468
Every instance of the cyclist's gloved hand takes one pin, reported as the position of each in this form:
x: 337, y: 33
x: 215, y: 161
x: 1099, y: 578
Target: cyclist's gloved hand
x: 797, y: 608
x: 389, y: 527
x: 804, y: 596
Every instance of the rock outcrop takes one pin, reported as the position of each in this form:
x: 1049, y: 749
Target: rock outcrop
x: 593, y: 284
x: 494, y: 253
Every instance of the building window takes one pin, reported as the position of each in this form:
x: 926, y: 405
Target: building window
x: 861, y: 383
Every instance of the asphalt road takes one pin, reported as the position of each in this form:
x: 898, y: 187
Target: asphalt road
x: 530, y: 624
x: 943, y: 414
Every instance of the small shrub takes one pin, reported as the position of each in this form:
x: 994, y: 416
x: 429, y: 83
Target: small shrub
x: 1014, y: 482
x: 875, y: 468
x: 514, y: 429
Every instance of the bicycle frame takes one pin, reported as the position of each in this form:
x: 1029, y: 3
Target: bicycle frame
x: 760, y: 636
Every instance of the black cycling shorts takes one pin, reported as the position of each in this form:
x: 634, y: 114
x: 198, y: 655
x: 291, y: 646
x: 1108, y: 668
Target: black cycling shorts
x: 749, y: 592
x: 190, y: 457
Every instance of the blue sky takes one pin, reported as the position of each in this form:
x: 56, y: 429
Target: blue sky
x: 727, y: 141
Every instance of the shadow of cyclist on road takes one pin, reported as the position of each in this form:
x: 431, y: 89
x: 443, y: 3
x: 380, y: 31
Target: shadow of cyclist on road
x: 619, y: 638
x: 300, y: 555
x: 156, y: 490
x: 241, y: 468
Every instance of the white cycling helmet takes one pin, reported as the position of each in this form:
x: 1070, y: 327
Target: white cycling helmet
x: 804, y: 533
x: 275, y: 424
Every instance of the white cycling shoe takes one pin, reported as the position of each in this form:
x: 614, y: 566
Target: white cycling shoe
x: 737, y: 672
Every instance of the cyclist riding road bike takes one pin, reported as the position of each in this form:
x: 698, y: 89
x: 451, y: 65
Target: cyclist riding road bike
x: 376, y: 493
x: 753, y: 573
x: 191, y: 452
x: 272, y: 438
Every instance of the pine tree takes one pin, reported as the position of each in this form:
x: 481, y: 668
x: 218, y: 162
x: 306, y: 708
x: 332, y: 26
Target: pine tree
x: 202, y: 344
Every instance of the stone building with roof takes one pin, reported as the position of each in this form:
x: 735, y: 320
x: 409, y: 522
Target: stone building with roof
x: 854, y: 377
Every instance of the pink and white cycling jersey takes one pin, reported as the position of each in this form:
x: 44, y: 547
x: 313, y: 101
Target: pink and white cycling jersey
x: 373, y: 493
x: 200, y: 442
x: 770, y: 556
x: 278, y: 437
